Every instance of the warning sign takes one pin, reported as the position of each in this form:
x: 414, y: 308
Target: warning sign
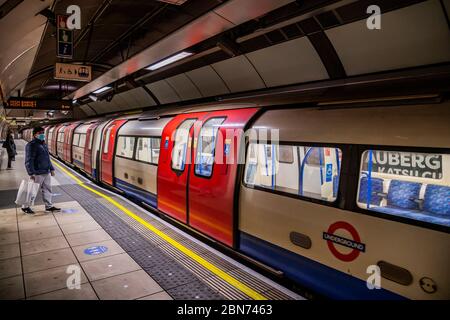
x: 354, y: 243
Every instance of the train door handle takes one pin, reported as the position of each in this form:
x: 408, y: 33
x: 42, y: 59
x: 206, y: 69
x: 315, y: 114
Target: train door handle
x: 395, y: 273
x: 300, y: 239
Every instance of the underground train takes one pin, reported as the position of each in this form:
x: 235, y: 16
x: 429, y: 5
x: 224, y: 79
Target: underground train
x: 350, y: 203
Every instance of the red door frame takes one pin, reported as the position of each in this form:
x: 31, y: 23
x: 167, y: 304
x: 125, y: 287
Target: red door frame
x: 205, y: 203
x: 107, y: 159
x: 63, y: 128
x: 68, y: 140
x: 171, y: 184
x: 211, y: 199
x: 87, y: 150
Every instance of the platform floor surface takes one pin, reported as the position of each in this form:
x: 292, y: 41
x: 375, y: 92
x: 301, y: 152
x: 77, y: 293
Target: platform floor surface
x: 112, y: 248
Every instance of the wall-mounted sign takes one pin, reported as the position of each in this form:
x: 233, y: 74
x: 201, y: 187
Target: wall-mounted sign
x: 40, y: 104
x: 64, y: 40
x: 73, y: 72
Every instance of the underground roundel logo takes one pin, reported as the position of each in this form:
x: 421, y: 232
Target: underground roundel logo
x: 334, y: 240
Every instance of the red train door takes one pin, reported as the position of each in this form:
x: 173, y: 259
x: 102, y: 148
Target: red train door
x: 88, y: 148
x: 212, y: 180
x: 196, y: 179
x: 108, y: 149
x: 174, y: 165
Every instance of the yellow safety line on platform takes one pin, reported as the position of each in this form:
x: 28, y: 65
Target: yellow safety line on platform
x: 220, y: 273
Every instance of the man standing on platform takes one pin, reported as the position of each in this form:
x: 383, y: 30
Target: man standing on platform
x: 40, y: 169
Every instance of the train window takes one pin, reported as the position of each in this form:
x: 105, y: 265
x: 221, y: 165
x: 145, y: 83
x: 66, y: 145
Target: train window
x: 82, y: 140
x: 411, y: 185
x: 306, y: 171
x: 148, y: 150
x: 206, y: 147
x: 156, y: 142
x: 125, y: 147
x: 181, y: 144
x: 143, y: 151
x: 76, y: 139
x: 107, y: 138
x: 91, y: 140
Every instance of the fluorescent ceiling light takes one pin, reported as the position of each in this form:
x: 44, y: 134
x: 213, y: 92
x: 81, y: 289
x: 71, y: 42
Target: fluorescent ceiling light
x: 93, y: 98
x: 169, y: 60
x: 102, y: 90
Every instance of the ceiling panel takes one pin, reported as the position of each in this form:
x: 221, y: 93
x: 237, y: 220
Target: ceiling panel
x: 184, y: 87
x: 290, y: 62
x: 413, y: 36
x: 163, y: 92
x: 238, y: 74
x: 207, y: 81
x: 20, y: 34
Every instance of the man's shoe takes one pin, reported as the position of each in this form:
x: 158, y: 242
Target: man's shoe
x: 52, y: 209
x: 27, y: 210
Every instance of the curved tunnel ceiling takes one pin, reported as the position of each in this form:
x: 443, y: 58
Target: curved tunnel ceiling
x: 412, y: 36
x: 291, y: 43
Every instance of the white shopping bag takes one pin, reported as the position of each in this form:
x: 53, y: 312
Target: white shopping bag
x: 27, y: 192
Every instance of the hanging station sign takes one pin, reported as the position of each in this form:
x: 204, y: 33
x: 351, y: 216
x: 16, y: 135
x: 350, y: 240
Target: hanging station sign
x: 38, y: 104
x: 64, y: 45
x: 73, y: 72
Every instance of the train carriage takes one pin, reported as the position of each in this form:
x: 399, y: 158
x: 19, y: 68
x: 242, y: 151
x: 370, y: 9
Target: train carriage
x: 136, y: 158
x: 342, y: 192
x: 79, y: 145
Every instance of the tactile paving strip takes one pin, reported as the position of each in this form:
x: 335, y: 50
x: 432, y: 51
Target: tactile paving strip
x: 196, y: 291
x: 167, y: 272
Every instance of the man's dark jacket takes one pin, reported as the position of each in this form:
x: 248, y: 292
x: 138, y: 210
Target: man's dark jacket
x: 37, y: 158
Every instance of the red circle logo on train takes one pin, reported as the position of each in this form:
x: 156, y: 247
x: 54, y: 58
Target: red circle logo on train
x: 334, y: 240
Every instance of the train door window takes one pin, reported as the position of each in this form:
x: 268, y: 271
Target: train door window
x: 156, y: 142
x: 125, y: 147
x: 411, y: 185
x: 181, y: 144
x: 206, y: 147
x: 91, y: 140
x: 306, y: 171
x: 107, y: 137
x: 82, y: 140
x: 143, y: 150
x: 76, y: 139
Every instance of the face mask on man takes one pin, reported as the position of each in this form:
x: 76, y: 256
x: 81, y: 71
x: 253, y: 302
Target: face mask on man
x: 41, y: 137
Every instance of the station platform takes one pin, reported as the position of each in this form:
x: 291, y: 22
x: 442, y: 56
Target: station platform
x: 122, y: 250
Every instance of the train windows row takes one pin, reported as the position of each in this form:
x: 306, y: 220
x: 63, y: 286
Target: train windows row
x: 79, y: 140
x: 147, y: 148
x: 405, y: 184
